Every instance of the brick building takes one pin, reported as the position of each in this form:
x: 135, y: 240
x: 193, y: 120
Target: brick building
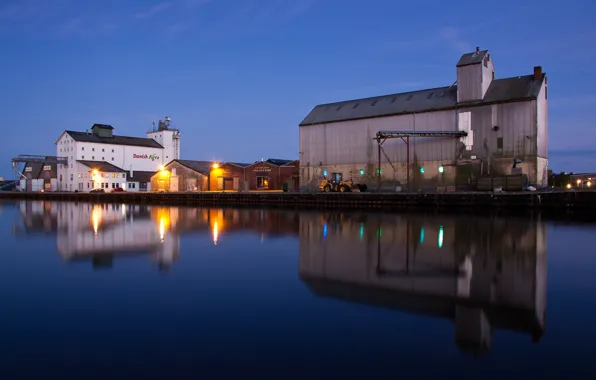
x: 229, y: 176
x: 272, y: 174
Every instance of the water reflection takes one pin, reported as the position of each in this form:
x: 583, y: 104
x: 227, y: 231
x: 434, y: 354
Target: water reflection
x: 485, y: 274
x: 101, y: 232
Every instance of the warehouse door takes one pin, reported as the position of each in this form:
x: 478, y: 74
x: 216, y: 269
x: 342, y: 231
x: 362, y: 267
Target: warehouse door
x: 220, y: 183
x: 228, y: 184
x: 236, y: 183
x: 173, y: 183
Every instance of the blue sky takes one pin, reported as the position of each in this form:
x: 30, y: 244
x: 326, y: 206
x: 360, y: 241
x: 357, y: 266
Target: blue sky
x: 237, y: 76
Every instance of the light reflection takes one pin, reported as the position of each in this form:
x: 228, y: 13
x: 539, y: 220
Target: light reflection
x: 96, y: 218
x: 162, y: 228
x: 440, y: 240
x: 215, y: 232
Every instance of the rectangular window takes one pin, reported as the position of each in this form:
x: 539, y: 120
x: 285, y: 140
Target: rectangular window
x: 112, y: 150
x: 88, y: 184
x: 112, y: 158
x: 103, y: 159
x: 93, y: 149
x: 113, y: 185
x: 499, y: 143
x: 93, y: 157
x: 263, y: 183
x: 103, y: 150
x: 83, y: 148
x: 82, y: 157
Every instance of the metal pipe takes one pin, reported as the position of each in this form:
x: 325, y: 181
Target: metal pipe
x: 408, y: 162
x: 379, y: 165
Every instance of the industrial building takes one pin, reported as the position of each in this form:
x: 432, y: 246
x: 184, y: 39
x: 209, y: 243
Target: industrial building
x: 447, y: 136
x: 99, y: 159
x: 271, y: 174
x: 189, y: 175
x: 36, y: 173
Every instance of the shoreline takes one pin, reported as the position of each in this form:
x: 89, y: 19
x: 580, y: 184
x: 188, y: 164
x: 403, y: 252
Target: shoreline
x: 577, y: 201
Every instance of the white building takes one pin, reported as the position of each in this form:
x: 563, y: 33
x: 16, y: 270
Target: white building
x: 100, y: 159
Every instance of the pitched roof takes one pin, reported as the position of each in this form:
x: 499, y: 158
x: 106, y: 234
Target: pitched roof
x: 278, y: 161
x: 116, y: 140
x: 472, y: 58
x: 203, y: 167
x: 36, y: 168
x: 239, y: 164
x: 140, y: 176
x: 442, y: 98
x: 101, y: 166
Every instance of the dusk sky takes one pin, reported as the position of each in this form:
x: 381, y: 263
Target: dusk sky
x: 237, y: 76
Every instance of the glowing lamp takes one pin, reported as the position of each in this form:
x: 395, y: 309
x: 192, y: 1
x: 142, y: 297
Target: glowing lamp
x: 215, y: 165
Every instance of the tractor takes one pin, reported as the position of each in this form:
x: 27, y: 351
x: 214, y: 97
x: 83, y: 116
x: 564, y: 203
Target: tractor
x: 341, y: 186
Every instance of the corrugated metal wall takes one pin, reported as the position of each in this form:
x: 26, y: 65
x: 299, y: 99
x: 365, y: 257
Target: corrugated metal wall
x: 469, y: 86
x: 542, y: 109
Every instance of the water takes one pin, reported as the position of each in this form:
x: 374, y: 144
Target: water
x: 135, y: 292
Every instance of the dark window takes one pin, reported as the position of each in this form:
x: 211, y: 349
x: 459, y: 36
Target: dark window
x: 262, y: 182
x: 546, y: 92
x: 499, y: 143
x: 493, y: 75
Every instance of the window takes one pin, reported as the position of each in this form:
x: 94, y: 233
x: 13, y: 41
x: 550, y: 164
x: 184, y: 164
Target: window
x: 124, y: 175
x: 88, y: 184
x: 93, y: 157
x: 60, y: 177
x: 493, y: 75
x: 103, y: 159
x: 103, y: 150
x: 545, y: 92
x: 93, y: 149
x: 112, y: 152
x: 83, y: 148
x: 113, y: 185
x: 79, y: 175
x: 112, y: 158
x: 82, y: 157
x: 262, y: 182
x: 499, y: 143
x: 173, y: 171
x: 71, y: 175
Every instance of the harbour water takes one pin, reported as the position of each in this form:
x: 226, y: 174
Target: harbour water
x: 108, y: 291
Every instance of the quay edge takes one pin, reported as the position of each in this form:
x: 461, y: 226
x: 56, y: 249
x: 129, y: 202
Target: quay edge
x: 559, y: 201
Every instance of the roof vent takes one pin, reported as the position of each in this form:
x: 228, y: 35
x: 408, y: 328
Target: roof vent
x: 477, y: 49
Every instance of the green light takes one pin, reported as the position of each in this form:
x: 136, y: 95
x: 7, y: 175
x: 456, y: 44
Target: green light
x: 361, y: 231
x: 422, y: 235
x: 440, y: 242
x: 361, y: 171
x: 422, y: 169
x: 441, y: 169
x: 379, y: 171
x: 380, y: 232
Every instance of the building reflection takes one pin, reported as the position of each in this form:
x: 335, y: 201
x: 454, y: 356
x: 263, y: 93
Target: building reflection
x: 482, y: 273
x: 100, y: 233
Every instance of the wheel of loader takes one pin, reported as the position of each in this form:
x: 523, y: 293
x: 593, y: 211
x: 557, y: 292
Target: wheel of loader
x: 327, y: 188
x: 343, y: 189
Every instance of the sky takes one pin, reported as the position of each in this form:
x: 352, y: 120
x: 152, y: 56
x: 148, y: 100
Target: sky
x: 238, y: 76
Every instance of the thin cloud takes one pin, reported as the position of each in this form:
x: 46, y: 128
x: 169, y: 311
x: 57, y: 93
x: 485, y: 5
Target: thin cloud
x: 152, y: 11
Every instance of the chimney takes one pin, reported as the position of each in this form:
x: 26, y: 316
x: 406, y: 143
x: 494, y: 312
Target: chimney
x: 537, y: 73
x: 477, y: 49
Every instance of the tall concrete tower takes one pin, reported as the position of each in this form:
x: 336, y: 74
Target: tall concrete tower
x: 167, y: 137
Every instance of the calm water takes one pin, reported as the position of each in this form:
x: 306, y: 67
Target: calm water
x: 134, y: 292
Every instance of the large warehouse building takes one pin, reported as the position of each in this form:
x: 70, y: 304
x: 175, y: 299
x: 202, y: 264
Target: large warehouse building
x: 446, y: 136
x: 99, y: 159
